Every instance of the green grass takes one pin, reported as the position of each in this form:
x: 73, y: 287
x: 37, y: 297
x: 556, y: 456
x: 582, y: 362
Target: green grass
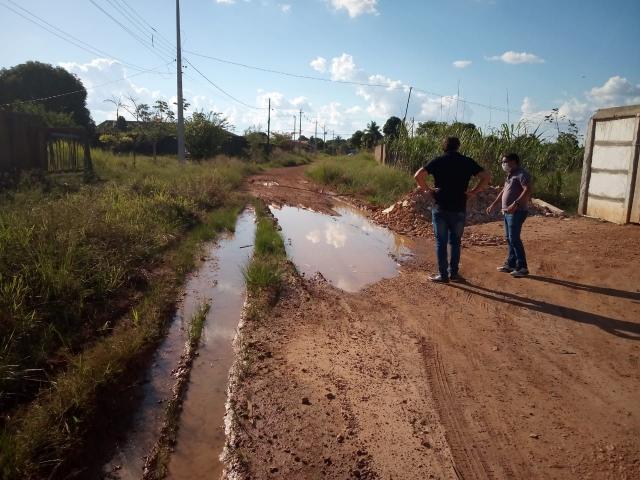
x: 362, y: 175
x: 281, y: 158
x: 69, y: 253
x: 265, y: 271
x: 555, y: 164
x: 197, y: 324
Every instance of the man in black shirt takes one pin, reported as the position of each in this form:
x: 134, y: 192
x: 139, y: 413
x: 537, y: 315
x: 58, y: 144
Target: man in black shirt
x: 452, y: 173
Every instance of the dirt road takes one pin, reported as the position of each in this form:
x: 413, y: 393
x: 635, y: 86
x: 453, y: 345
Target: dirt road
x: 493, y: 379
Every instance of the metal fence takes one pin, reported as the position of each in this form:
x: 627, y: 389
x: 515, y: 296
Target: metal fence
x: 26, y: 144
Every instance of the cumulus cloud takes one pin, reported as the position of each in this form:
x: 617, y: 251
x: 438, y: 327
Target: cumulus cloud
x: 462, y: 63
x: 284, y: 7
x: 515, y: 58
x: 319, y: 64
x: 343, y: 67
x: 226, y: 2
x: 356, y: 7
x: 616, y: 90
x: 105, y: 78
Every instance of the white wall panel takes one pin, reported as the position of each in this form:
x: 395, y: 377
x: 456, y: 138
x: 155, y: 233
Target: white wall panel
x: 612, y: 158
x: 615, y: 130
x: 608, y: 185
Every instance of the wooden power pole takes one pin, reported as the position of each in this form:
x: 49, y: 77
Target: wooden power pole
x: 269, y: 130
x: 181, y: 147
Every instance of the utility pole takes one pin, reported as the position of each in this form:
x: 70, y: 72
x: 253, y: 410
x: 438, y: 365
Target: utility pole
x: 324, y: 137
x: 269, y: 130
x: 300, y: 132
x: 315, y: 141
x: 181, y: 148
x: 457, y: 101
x: 404, y: 119
x: 295, y: 120
x: 508, y: 113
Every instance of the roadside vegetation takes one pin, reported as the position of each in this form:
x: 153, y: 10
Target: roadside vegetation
x: 556, y: 164
x: 88, y: 276
x: 264, y: 274
x: 362, y: 175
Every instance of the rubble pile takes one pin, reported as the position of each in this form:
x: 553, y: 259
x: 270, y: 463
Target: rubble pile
x: 411, y: 215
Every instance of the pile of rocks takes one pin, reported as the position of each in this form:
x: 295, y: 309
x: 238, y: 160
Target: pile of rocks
x: 411, y: 215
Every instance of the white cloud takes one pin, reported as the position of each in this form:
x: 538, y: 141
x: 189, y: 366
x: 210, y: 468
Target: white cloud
x: 343, y: 67
x: 462, y: 63
x: 616, y: 90
x: 319, y: 64
x: 515, y: 58
x: 226, y: 2
x: 356, y: 7
x: 285, y: 7
x: 106, y: 78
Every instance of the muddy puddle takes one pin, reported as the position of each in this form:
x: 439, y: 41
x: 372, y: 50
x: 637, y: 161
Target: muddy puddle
x: 347, y: 248
x: 218, y: 281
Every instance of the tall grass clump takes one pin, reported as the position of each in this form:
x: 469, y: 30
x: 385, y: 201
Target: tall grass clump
x: 265, y: 271
x: 555, y: 164
x: 88, y: 274
x: 362, y: 175
x: 67, y: 251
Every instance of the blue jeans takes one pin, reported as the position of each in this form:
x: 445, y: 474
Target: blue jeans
x: 512, y: 227
x: 448, y: 227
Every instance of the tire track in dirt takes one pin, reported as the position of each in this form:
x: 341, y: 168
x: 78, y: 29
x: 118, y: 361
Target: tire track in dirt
x: 467, y: 462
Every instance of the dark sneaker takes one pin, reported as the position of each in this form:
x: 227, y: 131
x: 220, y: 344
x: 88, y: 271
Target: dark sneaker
x: 519, y: 273
x: 457, y: 278
x: 438, y: 279
x: 506, y: 269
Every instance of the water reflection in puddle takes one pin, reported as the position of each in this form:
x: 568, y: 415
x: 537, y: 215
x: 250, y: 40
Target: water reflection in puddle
x: 347, y: 249
x: 218, y: 281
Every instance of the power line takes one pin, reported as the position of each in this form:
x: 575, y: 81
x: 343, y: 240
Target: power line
x: 128, y: 30
x: 58, y: 32
x: 41, y: 99
x: 140, y: 27
x: 142, y: 19
x: 345, y: 82
x: 220, y: 89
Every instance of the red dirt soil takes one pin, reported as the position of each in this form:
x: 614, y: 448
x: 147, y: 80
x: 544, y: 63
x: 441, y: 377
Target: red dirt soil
x: 498, y: 378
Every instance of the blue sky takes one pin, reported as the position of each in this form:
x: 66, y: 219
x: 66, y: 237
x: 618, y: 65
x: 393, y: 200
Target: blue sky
x: 574, y: 55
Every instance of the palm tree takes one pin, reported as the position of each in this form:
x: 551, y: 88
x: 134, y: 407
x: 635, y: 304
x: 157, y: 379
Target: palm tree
x: 372, y: 135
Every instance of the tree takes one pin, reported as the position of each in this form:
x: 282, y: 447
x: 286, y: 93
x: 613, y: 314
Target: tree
x: 206, y: 133
x: 372, y: 135
x: 392, y: 128
x: 431, y: 128
x: 121, y: 124
x: 32, y: 80
x: 356, y: 139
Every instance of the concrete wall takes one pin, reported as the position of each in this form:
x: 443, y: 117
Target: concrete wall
x: 610, y: 178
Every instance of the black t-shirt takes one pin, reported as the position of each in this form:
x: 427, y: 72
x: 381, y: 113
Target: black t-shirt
x: 452, y: 172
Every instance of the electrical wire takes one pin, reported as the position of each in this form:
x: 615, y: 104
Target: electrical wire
x: 221, y: 90
x: 140, y: 28
x: 58, y: 32
x: 41, y: 99
x: 128, y: 30
x: 347, y: 82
